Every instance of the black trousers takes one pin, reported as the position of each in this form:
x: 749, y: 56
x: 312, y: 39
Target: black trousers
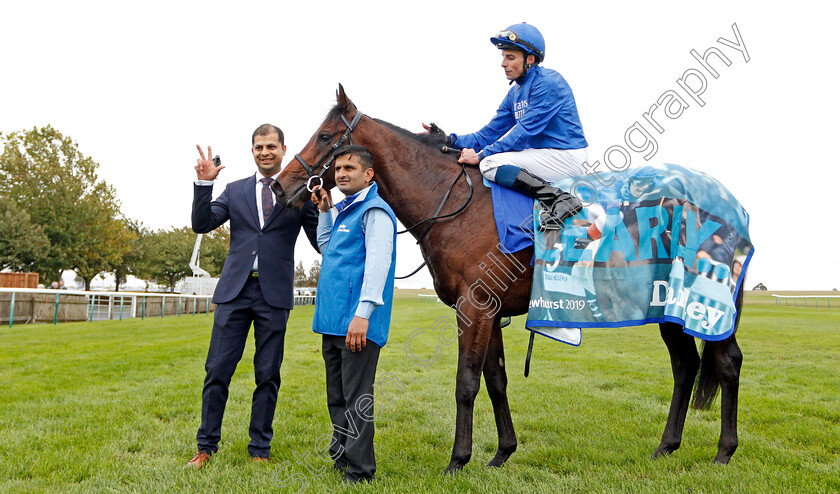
x: 227, y: 342
x: 350, y: 378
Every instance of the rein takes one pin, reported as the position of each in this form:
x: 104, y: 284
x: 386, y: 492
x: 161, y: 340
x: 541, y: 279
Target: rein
x: 437, y: 215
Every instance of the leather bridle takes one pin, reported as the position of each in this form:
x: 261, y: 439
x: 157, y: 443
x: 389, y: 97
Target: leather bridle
x: 328, y: 158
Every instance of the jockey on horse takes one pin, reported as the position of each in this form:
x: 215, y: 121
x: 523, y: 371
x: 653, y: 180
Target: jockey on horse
x: 536, y: 135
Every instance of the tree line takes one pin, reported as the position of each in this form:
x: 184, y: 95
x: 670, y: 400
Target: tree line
x: 304, y: 278
x: 56, y: 214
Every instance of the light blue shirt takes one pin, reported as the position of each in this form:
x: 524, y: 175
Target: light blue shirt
x: 379, y: 247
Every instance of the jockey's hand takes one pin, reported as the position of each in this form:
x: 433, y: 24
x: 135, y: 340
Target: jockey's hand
x: 322, y: 199
x: 204, y: 168
x: 357, y: 334
x: 468, y: 156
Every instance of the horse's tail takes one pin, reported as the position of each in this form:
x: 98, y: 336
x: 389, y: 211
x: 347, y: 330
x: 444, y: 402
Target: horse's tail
x: 707, y: 385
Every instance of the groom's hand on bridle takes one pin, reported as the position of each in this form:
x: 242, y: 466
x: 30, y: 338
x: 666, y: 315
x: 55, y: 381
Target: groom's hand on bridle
x: 322, y: 199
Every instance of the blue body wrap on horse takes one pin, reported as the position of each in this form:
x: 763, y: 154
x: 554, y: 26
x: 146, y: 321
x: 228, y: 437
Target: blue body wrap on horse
x: 659, y: 244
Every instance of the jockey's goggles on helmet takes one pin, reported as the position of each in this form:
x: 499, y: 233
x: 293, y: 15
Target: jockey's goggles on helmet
x: 506, y: 37
x: 505, y: 34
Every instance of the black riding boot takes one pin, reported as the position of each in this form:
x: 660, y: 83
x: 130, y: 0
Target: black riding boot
x: 557, y: 205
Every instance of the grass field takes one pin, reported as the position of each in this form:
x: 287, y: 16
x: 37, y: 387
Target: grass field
x: 114, y: 407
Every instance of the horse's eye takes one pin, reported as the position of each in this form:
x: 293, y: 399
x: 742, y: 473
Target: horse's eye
x: 324, y: 137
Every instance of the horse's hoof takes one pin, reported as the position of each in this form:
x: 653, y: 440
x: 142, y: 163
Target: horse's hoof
x: 663, y: 451
x: 457, y: 462
x: 501, y: 457
x: 725, y: 452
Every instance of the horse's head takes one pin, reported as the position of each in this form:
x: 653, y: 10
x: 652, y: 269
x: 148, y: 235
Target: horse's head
x: 291, y: 185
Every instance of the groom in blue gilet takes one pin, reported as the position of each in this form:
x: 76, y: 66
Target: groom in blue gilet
x: 353, y: 305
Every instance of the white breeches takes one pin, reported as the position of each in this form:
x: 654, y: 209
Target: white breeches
x: 547, y: 164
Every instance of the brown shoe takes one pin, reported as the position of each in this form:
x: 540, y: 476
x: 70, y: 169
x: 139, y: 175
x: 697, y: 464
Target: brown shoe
x: 259, y: 459
x: 199, y: 460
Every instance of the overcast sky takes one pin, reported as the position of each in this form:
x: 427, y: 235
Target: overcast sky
x: 139, y: 84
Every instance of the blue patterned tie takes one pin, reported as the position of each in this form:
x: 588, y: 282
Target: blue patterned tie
x: 267, y: 200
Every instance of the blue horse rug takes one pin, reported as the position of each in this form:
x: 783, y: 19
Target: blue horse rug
x: 660, y: 243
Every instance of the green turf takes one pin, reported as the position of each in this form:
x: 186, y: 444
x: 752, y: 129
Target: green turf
x: 114, y: 406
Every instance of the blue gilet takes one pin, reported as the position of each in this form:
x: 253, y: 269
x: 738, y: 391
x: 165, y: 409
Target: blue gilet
x: 342, y: 273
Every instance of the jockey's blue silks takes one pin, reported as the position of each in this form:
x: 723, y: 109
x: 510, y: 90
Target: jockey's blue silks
x: 551, y: 120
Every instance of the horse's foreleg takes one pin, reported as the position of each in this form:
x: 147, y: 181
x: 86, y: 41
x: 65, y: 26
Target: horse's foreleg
x: 727, y: 360
x: 496, y: 379
x: 685, y: 362
x: 472, y: 348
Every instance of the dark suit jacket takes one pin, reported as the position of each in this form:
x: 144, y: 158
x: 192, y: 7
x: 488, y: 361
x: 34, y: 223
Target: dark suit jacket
x: 275, y: 243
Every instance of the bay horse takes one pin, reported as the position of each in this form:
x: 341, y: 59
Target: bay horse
x: 481, y: 281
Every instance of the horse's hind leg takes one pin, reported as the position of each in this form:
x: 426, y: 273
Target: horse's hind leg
x: 684, y: 364
x: 727, y: 363
x: 720, y: 369
x: 496, y: 379
x: 472, y: 348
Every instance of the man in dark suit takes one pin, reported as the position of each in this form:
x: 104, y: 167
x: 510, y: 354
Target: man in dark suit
x: 255, y: 286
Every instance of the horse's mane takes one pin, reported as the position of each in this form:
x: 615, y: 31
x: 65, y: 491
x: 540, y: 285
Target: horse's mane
x: 435, y: 138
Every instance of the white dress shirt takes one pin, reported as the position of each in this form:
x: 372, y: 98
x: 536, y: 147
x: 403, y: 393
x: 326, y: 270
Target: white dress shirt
x: 258, y: 195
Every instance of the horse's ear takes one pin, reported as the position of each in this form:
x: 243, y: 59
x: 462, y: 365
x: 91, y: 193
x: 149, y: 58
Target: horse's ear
x: 343, y: 101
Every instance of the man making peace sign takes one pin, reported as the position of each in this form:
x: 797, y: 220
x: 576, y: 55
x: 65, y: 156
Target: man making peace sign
x: 255, y: 286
